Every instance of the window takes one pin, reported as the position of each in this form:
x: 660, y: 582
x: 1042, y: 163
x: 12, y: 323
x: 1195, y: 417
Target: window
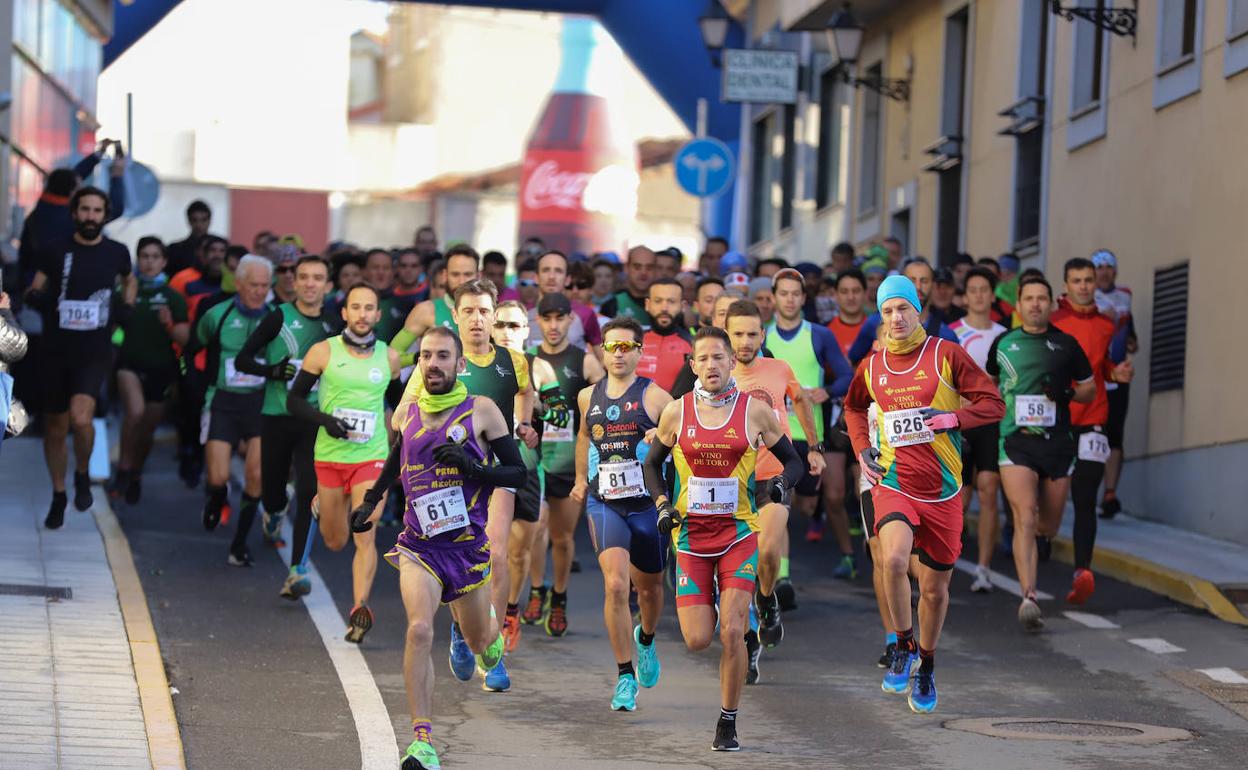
x: 1029, y: 144
x: 1169, y: 339
x: 1237, y: 18
x: 1089, y: 61
x: 1179, y: 62
x: 869, y: 170
x: 1235, y: 54
x: 833, y: 150
x: 774, y: 172
x: 1178, y: 31
x: 1032, y: 58
x: 953, y: 90
x: 899, y: 228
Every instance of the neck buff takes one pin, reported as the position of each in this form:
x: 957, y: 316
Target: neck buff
x: 725, y: 397
x: 155, y: 281
x: 358, y: 342
x: 249, y: 312
x: 901, y: 347
x: 431, y: 403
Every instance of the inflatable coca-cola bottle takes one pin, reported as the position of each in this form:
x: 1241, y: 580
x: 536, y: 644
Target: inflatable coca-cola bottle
x: 578, y: 187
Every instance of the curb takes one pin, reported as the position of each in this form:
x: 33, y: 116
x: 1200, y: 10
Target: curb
x: 1151, y: 576
x: 163, y: 737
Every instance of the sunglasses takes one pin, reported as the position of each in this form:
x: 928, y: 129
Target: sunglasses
x: 512, y: 325
x: 526, y: 283
x: 627, y: 346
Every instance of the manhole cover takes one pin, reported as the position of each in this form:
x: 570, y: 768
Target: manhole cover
x: 1048, y: 729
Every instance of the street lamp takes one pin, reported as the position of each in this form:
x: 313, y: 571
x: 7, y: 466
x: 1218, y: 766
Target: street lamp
x: 714, y: 27
x: 844, y: 34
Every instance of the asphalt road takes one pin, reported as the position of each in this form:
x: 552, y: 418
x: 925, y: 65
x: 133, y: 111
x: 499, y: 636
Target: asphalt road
x: 256, y: 688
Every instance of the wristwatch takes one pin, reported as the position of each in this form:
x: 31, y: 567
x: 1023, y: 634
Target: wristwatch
x: 818, y: 447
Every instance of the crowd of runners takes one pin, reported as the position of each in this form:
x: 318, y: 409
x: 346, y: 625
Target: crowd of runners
x: 685, y: 405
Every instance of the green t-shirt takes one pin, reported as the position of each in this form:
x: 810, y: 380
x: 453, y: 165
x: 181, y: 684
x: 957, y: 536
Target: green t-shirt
x: 294, y: 338
x: 442, y: 314
x: 1026, y: 366
x: 223, y: 330
x: 147, y: 345
x: 354, y: 389
x: 393, y: 314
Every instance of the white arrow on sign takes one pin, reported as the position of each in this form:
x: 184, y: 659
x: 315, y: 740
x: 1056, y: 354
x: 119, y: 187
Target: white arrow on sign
x: 703, y: 166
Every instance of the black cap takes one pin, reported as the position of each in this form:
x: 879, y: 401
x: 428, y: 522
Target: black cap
x: 671, y: 251
x: 943, y: 275
x: 554, y: 303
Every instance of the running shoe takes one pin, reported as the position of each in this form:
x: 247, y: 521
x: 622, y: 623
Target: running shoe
x: 897, y: 677
x: 1110, y: 507
x: 536, y: 608
x: 785, y: 592
x: 359, y: 623
x: 297, y: 583
x: 846, y: 569
x: 557, y: 620
x: 770, y: 629
x: 421, y: 756
x: 753, y: 651
x: 56, y: 511
x: 212, y: 515
x: 625, y: 698
x: 462, y: 661
x: 576, y: 566
x: 1082, y: 587
x: 886, y: 659
x: 1029, y: 614
x: 981, y: 584
x: 496, y: 679
x: 923, y: 692
x: 240, y: 556
x: 116, y: 486
x: 1044, y: 548
x: 725, y: 736
x: 83, y: 499
x: 511, y: 633
x: 134, y: 490
x: 814, y: 531
x: 648, y: 667
x: 271, y: 528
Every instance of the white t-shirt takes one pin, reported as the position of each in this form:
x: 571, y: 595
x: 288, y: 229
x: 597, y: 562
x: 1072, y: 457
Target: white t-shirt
x: 976, y: 342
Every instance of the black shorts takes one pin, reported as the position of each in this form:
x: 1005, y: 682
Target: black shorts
x: 868, y: 514
x: 529, y: 497
x: 156, y: 383
x: 1118, y: 399
x: 66, y: 374
x: 979, y: 451
x: 558, y: 485
x: 809, y: 485
x: 1050, y: 458
x: 233, y: 417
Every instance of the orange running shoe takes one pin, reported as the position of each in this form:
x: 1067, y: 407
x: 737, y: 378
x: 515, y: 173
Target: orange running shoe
x: 511, y: 633
x: 557, y: 620
x: 537, y: 607
x: 1082, y: 587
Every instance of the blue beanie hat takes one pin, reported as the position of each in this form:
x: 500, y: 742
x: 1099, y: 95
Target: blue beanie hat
x: 733, y: 262
x: 896, y: 286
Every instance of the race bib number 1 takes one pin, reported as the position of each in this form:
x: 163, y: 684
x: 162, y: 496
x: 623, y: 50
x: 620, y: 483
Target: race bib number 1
x: 1093, y: 447
x: 617, y: 481
x: 712, y: 497
x: 1035, y: 412
x: 236, y: 379
x: 361, y: 424
x: 79, y: 315
x: 441, y: 511
x: 905, y: 428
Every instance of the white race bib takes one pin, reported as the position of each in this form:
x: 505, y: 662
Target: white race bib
x: 1035, y: 411
x: 236, y: 379
x: 1093, y: 447
x: 298, y: 364
x: 905, y: 427
x: 712, y: 497
x: 551, y: 433
x: 79, y: 315
x: 441, y: 511
x: 361, y: 424
x: 617, y: 481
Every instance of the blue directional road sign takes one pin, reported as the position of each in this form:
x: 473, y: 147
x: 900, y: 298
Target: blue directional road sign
x: 704, y: 167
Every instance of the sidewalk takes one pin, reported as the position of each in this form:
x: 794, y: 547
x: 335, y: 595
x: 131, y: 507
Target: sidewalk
x: 67, y: 663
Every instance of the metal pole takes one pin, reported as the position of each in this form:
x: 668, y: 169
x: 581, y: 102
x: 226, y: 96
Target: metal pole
x: 130, y: 122
x: 704, y: 208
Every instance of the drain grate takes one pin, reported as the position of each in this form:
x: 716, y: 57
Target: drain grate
x: 50, y: 592
x: 1050, y: 729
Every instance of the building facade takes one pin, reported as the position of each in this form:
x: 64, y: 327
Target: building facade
x: 1050, y: 137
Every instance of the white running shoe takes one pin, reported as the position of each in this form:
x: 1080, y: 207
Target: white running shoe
x: 981, y: 584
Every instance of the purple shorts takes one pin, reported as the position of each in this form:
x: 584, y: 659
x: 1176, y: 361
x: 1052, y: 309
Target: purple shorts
x: 459, y: 567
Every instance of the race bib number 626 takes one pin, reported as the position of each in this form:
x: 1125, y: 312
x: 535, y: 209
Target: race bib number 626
x: 905, y: 427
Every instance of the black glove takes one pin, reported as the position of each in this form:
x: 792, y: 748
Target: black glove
x: 335, y: 427
x: 780, y: 491
x: 669, y: 519
x: 1060, y: 396
x: 283, y: 370
x: 868, y: 458
x: 454, y: 456
x: 360, y: 516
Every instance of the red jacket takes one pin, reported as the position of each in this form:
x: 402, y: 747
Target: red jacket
x: 1094, y: 331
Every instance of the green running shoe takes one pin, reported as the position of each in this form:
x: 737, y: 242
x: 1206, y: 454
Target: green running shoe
x: 421, y: 756
x: 492, y: 655
x: 648, y: 668
x: 625, y: 694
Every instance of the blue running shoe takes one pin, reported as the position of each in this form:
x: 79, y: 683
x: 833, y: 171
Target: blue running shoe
x: 897, y: 677
x: 496, y: 679
x: 648, y: 668
x: 463, y: 662
x: 846, y: 569
x: 297, y: 583
x: 625, y: 698
x: 923, y: 692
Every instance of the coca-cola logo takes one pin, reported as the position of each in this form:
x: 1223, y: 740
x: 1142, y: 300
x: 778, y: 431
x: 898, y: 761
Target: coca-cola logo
x: 549, y: 186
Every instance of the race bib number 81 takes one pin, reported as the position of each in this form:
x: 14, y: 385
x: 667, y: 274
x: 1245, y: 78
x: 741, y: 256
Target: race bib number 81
x: 905, y: 427
x: 617, y: 481
x: 441, y: 511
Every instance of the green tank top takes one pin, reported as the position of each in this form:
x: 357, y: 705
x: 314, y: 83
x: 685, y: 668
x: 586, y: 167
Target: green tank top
x: 223, y: 330
x: 559, y: 444
x: 625, y: 305
x: 496, y: 380
x: 799, y: 353
x: 354, y: 389
x: 297, y: 336
x: 392, y: 318
x: 442, y: 314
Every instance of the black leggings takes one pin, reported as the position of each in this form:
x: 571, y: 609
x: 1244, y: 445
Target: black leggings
x: 286, y: 440
x: 1084, y: 484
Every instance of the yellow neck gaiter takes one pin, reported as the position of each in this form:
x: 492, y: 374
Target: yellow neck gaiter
x: 902, y: 347
x: 431, y: 404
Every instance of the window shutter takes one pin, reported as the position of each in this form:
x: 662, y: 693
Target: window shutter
x: 1169, y: 343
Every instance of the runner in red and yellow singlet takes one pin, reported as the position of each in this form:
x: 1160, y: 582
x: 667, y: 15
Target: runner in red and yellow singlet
x: 714, y: 436
x: 918, y: 383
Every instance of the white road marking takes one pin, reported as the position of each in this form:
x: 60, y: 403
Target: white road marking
x: 1000, y: 581
x: 1090, y: 620
x: 1159, y: 646
x: 378, y: 745
x: 1224, y: 675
